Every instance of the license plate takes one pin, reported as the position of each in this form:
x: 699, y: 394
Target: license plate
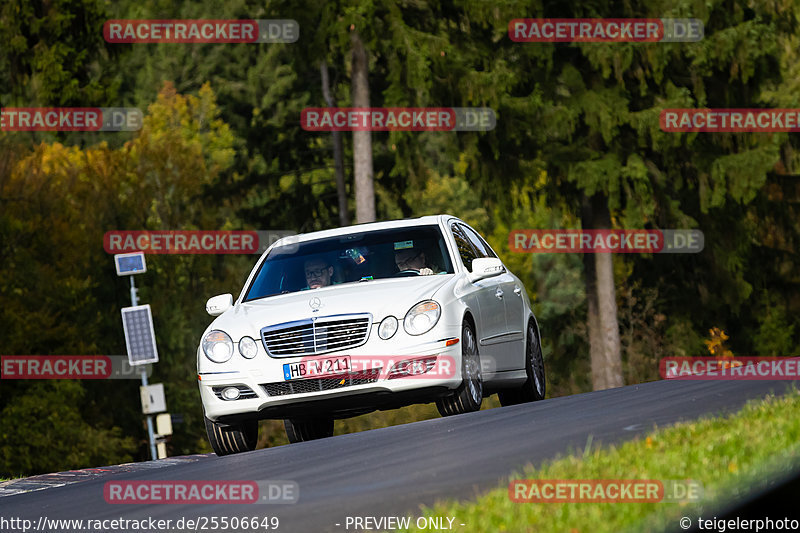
x: 317, y: 367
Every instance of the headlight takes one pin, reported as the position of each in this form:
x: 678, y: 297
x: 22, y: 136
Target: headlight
x: 422, y: 317
x: 387, y: 328
x: 218, y: 346
x: 248, y: 347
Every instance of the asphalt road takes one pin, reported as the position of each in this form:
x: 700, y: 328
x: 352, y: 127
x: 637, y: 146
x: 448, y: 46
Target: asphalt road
x: 392, y: 471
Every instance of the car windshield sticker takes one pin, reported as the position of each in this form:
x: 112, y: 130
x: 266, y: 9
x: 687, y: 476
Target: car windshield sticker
x: 355, y: 255
x: 402, y: 245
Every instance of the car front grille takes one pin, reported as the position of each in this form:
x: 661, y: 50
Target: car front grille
x: 300, y: 386
x: 316, y: 335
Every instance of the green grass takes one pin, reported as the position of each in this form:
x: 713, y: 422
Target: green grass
x: 727, y: 455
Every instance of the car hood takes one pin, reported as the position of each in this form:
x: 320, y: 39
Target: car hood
x: 380, y: 297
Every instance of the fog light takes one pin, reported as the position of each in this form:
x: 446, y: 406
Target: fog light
x: 416, y: 367
x: 230, y: 393
x: 412, y: 367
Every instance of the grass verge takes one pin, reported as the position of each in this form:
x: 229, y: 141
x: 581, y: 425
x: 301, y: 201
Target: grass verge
x: 727, y: 455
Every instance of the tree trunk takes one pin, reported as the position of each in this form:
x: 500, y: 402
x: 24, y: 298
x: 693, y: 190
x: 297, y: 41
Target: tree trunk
x: 338, y: 162
x: 604, y: 343
x: 596, y: 354
x: 362, y: 140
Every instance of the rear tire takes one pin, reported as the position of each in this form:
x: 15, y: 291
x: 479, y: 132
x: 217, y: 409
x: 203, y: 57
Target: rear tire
x: 303, y: 429
x: 233, y: 438
x: 469, y: 395
x: 533, y: 389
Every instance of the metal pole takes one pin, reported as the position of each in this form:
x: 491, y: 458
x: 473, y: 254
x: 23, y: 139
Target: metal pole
x: 143, y: 368
x: 150, y: 433
x: 134, y: 299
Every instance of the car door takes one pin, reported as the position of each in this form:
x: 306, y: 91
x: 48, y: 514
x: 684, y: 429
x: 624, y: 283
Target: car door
x: 510, y: 344
x: 492, y: 329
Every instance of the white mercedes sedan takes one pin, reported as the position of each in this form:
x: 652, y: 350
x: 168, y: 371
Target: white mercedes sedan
x: 341, y: 322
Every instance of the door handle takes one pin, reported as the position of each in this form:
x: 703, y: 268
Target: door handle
x: 517, y: 290
x: 499, y: 294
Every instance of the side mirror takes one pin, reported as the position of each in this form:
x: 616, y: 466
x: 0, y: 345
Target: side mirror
x: 217, y: 305
x: 486, y: 267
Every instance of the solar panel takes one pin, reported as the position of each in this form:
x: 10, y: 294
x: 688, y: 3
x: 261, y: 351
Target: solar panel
x: 128, y: 264
x: 140, y: 337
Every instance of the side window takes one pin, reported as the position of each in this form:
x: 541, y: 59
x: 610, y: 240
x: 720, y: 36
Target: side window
x: 488, y: 248
x: 477, y: 242
x: 465, y: 249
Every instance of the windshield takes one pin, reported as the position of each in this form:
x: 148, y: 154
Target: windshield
x: 355, y: 257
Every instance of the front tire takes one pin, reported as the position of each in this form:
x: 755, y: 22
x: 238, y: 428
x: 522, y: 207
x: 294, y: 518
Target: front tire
x: 304, y: 429
x: 533, y: 389
x: 469, y: 395
x: 233, y: 438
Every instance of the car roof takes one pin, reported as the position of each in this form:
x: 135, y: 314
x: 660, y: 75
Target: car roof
x: 369, y: 226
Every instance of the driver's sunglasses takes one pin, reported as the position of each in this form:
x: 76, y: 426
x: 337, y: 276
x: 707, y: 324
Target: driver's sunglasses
x: 406, y: 262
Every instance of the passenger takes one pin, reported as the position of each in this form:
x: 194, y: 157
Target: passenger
x: 414, y: 259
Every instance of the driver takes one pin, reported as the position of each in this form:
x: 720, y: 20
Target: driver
x: 414, y: 259
x: 319, y: 273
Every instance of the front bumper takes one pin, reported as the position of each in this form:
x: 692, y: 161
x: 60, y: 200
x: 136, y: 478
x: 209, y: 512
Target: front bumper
x: 272, y: 397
